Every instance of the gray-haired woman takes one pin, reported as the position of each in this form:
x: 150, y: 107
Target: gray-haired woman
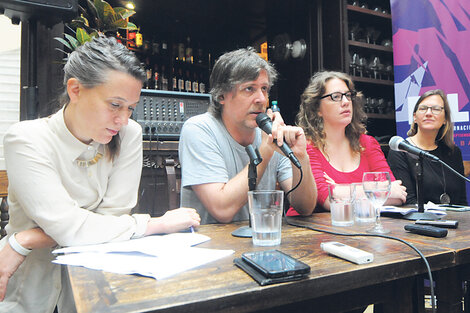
x: 74, y: 176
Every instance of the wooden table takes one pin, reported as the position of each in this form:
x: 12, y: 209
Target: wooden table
x: 334, y: 285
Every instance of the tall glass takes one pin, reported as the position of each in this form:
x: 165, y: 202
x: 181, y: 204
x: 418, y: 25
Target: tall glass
x: 377, y: 186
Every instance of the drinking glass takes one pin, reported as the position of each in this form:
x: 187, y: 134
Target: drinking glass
x: 377, y: 186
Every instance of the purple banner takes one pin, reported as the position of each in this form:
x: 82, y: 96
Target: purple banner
x: 431, y: 49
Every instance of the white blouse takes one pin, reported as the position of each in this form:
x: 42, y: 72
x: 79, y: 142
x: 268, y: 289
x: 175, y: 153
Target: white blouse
x: 74, y: 205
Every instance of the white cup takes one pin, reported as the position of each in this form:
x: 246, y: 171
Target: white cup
x: 266, y: 215
x: 341, y: 207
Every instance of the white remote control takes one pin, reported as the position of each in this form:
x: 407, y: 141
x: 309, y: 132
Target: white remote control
x: 347, y: 252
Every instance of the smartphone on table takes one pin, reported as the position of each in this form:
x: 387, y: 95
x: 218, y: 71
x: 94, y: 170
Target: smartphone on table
x: 275, y: 264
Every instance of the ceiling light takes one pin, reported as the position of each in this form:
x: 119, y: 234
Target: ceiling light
x: 130, y: 5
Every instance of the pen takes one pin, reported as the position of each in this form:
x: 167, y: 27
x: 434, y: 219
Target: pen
x: 191, y: 228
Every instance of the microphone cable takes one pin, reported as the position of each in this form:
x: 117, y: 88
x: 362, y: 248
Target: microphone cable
x: 454, y: 171
x: 284, y: 211
x: 428, y: 268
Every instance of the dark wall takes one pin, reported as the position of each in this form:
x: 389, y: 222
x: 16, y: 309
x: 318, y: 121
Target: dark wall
x: 299, y: 20
x: 42, y: 68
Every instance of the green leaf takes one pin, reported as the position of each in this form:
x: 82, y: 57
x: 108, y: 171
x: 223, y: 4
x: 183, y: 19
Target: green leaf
x: 64, y: 42
x: 107, y: 12
x: 99, y: 5
x: 79, y: 22
x: 121, y: 24
x: 82, y: 36
x: 125, y: 13
x: 73, y: 42
x: 92, y: 9
x: 131, y: 26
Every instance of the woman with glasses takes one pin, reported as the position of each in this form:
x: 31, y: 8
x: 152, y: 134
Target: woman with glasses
x: 432, y: 130
x: 332, y: 117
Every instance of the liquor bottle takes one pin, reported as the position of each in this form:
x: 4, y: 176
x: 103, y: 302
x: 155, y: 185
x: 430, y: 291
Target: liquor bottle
x: 164, y: 48
x: 200, y: 54
x: 155, y: 47
x: 180, y: 79
x: 156, y: 77
x: 148, y: 72
x: 195, y: 83
x: 174, y: 80
x: 187, y: 82
x: 189, y: 51
x: 202, y: 85
x: 164, y: 78
x: 181, y: 52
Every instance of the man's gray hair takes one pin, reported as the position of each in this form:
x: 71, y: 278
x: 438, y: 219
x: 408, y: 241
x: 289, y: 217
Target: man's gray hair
x: 234, y: 68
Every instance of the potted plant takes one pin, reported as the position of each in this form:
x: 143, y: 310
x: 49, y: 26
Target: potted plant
x: 99, y: 17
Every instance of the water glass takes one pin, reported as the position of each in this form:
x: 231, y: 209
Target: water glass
x: 341, y: 204
x: 266, y: 214
x: 364, y: 211
x: 377, y: 186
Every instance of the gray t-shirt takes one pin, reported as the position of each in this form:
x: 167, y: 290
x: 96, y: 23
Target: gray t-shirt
x: 208, y: 154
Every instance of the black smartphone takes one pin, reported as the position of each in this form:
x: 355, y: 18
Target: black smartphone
x: 274, y: 263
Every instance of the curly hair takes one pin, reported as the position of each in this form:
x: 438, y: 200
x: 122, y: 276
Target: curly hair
x: 446, y: 132
x: 312, y: 123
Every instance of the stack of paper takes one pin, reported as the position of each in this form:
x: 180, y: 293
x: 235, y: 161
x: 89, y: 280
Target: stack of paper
x: 428, y: 207
x: 154, y: 256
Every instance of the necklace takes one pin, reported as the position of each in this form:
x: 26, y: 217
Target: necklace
x: 88, y: 163
x: 444, y: 198
x: 85, y: 163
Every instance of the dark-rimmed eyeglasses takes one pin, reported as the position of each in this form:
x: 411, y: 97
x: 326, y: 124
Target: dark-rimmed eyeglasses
x: 338, y: 96
x: 435, y: 109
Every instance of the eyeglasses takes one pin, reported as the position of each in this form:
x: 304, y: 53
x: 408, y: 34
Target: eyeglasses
x: 338, y: 96
x: 435, y: 109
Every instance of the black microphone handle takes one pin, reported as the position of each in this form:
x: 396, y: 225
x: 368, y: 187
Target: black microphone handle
x: 265, y: 123
x: 288, y: 152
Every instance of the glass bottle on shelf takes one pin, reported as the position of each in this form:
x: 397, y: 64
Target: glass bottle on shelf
x: 164, y: 48
x: 180, y: 79
x: 188, y: 51
x: 202, y: 85
x: 174, y: 79
x: 148, y: 72
x: 164, y: 79
x: 156, y: 77
x: 195, y: 83
x: 181, y: 52
x: 155, y: 47
x: 200, y: 55
x: 187, y: 81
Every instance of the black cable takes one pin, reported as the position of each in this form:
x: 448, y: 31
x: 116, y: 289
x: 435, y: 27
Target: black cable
x: 289, y: 221
x: 295, y: 187
x: 454, y: 171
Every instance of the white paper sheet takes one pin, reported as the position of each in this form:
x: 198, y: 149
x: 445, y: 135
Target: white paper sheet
x: 149, y: 245
x: 154, y: 256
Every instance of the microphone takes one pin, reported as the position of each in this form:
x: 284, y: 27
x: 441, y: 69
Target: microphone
x: 397, y: 143
x: 254, y: 155
x: 266, y: 124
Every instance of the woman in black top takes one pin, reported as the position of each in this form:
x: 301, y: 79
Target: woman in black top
x: 432, y: 131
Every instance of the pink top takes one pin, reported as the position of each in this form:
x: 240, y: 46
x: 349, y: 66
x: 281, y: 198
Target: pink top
x: 372, y: 160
